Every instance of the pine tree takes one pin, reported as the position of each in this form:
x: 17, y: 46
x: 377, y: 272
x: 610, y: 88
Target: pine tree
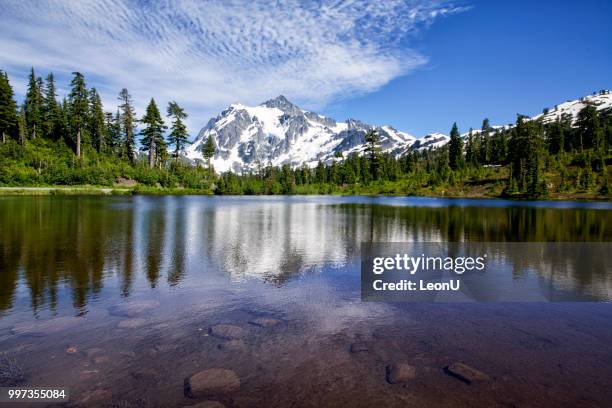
x: 373, y: 153
x: 22, y: 129
x: 51, y: 110
x: 526, y: 154
x: 455, y: 148
x: 485, y: 142
x: 153, y: 133
x: 470, y: 150
x: 97, y: 125
x: 127, y: 124
x: 589, y: 128
x: 78, y: 104
x: 178, y: 134
x: 208, y: 149
x: 113, y: 132
x: 33, y: 105
x: 8, y: 108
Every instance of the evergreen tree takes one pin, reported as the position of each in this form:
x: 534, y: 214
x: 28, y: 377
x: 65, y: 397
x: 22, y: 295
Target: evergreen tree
x: 471, y: 154
x: 591, y: 133
x: 127, y: 124
x: 526, y: 154
x: 97, y: 125
x: 79, y: 104
x: 113, y: 130
x: 33, y: 105
x: 455, y: 148
x: 51, y: 110
x: 373, y: 152
x: 153, y: 134
x: 8, y: 108
x: 178, y: 131
x: 22, y: 129
x: 485, y: 142
x: 208, y: 149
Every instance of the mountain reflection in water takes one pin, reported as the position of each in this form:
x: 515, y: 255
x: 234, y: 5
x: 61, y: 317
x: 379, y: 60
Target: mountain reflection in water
x: 78, y: 247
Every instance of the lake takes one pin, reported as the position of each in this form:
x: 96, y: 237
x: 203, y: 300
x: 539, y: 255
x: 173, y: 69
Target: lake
x: 121, y: 299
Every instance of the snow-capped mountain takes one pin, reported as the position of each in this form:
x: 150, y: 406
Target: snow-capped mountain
x: 601, y: 100
x: 278, y: 132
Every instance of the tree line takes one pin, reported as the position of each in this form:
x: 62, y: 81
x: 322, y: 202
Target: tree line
x: 75, y: 141
x: 79, y: 120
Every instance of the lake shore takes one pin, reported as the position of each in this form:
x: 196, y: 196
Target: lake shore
x: 348, y: 191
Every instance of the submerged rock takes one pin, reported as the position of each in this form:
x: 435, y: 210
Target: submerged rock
x: 399, y: 373
x: 211, y: 381
x: 72, y: 349
x: 265, y: 322
x: 11, y: 373
x: 227, y: 331
x: 133, y: 309
x: 465, y: 373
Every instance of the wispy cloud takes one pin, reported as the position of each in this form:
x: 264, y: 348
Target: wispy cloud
x: 206, y: 54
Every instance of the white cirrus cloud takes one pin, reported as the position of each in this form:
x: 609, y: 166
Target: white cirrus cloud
x: 207, y: 54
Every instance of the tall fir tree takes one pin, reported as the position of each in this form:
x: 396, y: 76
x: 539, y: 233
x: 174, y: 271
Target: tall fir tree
x: 455, y: 148
x: 22, y: 128
x: 97, y: 122
x: 178, y: 131
x: 8, y: 109
x: 485, y: 142
x: 208, y: 150
x: 127, y: 124
x: 526, y: 147
x: 153, y: 134
x: 51, y: 110
x: 113, y: 129
x: 591, y: 133
x: 33, y: 105
x: 373, y: 152
x: 78, y: 109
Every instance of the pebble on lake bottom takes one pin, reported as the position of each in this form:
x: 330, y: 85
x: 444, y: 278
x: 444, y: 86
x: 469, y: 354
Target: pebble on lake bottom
x: 399, y: 373
x: 212, y: 380
x: 465, y: 373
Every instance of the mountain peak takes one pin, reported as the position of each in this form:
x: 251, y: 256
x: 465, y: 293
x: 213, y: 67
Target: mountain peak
x: 282, y: 103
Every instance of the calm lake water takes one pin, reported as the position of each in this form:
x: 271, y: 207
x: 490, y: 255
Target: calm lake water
x: 114, y: 297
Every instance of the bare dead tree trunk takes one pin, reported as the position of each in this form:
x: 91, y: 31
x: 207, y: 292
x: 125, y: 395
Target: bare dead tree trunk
x: 3, y: 137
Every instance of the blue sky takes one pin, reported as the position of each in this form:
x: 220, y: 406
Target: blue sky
x: 496, y: 59
x: 418, y: 65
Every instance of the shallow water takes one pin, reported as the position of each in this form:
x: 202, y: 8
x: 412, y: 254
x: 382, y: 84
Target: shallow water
x: 70, y: 265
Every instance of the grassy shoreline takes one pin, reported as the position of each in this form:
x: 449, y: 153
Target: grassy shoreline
x: 350, y: 191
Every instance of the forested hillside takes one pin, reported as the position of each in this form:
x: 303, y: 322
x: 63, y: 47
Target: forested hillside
x: 75, y: 141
